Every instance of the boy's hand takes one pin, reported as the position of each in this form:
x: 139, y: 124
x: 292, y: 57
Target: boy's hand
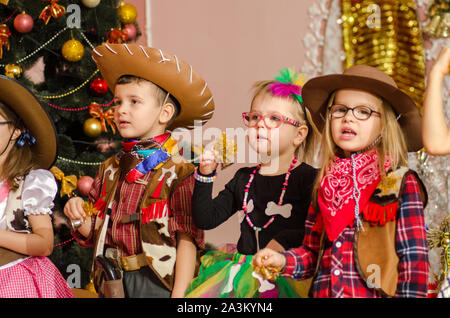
x: 208, y: 162
x: 74, y: 209
x: 267, y: 257
x: 441, y: 65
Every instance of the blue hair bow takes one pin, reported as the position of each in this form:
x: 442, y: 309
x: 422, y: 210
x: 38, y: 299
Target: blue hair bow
x: 25, y: 138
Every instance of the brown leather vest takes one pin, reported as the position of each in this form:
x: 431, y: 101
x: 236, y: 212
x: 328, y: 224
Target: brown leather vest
x: 376, y: 258
x: 374, y: 250
x: 153, y: 214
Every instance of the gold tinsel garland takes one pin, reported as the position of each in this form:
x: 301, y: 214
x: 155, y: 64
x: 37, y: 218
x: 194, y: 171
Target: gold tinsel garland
x: 388, y: 38
x: 441, y: 238
x: 439, y: 25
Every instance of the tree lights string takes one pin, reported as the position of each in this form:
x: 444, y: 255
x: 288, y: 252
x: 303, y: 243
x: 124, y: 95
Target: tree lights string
x: 81, y: 163
x: 38, y: 49
x: 77, y: 109
x: 71, y: 91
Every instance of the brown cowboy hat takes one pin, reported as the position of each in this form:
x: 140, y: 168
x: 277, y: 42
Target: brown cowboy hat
x: 28, y: 108
x: 163, y: 69
x: 316, y: 93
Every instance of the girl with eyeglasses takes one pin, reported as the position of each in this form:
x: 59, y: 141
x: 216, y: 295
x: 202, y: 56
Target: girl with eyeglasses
x: 365, y: 231
x: 27, y: 189
x: 271, y: 199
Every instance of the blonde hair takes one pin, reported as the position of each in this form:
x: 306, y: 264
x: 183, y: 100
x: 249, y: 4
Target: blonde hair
x: 392, y: 145
x: 19, y: 161
x: 306, y: 152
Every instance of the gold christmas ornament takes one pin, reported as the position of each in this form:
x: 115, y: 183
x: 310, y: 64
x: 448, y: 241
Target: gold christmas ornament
x: 432, y: 26
x: 441, y: 238
x: 127, y: 13
x: 13, y: 71
x: 439, y: 24
x: 442, y: 31
x: 73, y: 50
x: 92, y: 127
x: 387, y: 36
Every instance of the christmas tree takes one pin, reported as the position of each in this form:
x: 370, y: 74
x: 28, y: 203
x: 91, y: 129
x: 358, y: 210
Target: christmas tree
x: 60, y: 35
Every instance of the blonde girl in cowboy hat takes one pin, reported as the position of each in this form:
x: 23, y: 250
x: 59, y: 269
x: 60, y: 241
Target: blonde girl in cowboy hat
x: 271, y: 199
x: 365, y: 230
x: 436, y: 134
x: 27, y: 190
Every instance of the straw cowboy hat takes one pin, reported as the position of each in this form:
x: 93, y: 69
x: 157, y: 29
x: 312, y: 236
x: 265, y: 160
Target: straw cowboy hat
x: 39, y: 124
x: 163, y: 69
x: 316, y: 93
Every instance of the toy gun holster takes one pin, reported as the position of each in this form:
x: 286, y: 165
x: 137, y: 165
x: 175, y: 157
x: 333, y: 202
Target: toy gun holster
x: 107, y: 278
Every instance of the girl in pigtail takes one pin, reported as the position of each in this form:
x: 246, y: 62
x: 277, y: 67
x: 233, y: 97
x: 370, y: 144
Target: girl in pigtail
x: 365, y: 230
x: 271, y: 198
x: 27, y: 190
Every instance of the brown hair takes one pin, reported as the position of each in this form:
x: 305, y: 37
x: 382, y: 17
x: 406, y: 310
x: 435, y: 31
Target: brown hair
x: 306, y: 152
x: 161, y: 95
x: 391, y: 144
x: 19, y: 161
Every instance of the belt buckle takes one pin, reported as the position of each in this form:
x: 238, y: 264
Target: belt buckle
x: 126, y: 263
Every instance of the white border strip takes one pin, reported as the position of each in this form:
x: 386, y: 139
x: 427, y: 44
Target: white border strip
x: 148, y: 22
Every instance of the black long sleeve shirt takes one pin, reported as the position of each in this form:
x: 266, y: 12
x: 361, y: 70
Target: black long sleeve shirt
x: 287, y: 228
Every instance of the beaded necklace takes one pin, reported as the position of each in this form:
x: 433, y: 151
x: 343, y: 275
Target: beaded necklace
x: 280, y: 201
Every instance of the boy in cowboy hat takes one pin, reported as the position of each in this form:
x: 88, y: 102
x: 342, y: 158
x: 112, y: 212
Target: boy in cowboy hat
x: 144, y: 192
x: 365, y: 231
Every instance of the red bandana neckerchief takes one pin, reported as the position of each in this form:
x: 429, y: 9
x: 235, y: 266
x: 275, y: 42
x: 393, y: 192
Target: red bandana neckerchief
x: 140, y: 156
x: 335, y: 196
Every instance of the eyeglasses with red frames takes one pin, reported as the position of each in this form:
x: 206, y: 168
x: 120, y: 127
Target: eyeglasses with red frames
x: 271, y: 120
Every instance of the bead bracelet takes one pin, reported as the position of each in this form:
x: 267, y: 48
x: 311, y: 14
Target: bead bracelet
x: 204, y: 179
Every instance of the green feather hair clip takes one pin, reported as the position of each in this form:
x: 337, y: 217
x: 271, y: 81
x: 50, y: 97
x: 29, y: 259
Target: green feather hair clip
x: 288, y: 83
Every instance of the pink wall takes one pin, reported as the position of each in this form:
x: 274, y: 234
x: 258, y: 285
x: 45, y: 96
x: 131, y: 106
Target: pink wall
x: 140, y: 6
x: 232, y: 44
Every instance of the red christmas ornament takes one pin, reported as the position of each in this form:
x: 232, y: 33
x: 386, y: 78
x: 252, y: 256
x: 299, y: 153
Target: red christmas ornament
x: 130, y: 31
x: 23, y: 23
x: 99, y: 87
x: 84, y: 185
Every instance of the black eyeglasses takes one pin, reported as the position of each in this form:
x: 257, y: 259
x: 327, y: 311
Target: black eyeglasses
x: 359, y: 112
x: 5, y: 122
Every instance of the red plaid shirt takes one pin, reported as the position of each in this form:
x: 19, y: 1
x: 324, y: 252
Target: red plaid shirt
x: 126, y: 236
x: 337, y: 275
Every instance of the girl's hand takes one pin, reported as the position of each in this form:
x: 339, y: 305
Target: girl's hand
x: 74, y: 209
x: 268, y: 257
x: 274, y: 245
x: 441, y: 65
x: 208, y: 162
